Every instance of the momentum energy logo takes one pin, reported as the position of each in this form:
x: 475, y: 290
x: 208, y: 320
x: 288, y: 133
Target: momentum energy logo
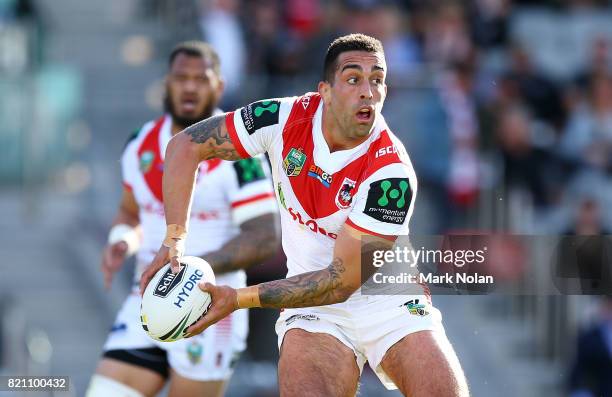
x: 259, y: 115
x: 389, y: 200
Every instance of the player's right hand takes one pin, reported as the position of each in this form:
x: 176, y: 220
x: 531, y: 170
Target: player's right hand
x: 161, y: 258
x: 113, y: 257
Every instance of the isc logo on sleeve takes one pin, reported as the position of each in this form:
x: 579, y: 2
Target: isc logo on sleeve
x: 386, y: 150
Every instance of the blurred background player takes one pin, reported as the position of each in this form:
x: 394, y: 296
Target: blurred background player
x: 233, y: 227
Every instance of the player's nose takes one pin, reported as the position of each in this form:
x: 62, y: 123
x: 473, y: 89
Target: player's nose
x: 366, y: 91
x: 190, y: 86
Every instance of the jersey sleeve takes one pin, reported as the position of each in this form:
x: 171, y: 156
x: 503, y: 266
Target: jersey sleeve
x: 384, y: 202
x: 129, y: 161
x: 254, y: 127
x: 251, y: 193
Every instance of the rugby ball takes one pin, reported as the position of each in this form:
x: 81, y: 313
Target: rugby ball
x: 172, y: 302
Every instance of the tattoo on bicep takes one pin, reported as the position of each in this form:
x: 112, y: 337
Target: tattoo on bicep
x: 213, y: 133
x: 322, y: 287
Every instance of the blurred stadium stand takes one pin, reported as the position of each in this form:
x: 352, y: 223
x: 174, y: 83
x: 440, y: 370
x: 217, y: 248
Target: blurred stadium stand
x: 513, y: 99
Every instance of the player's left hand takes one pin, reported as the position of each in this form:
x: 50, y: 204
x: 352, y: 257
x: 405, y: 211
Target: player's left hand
x: 224, y: 302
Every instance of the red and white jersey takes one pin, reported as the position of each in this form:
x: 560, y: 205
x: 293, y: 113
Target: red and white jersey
x: 371, y: 187
x: 226, y: 194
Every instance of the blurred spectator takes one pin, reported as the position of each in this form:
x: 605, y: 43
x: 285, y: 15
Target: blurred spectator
x: 222, y: 29
x: 385, y: 21
x: 303, y: 16
x: 588, y: 136
x: 274, y: 51
x: 456, y: 88
x: 592, y: 367
x: 588, y: 220
x: 489, y: 22
x: 447, y: 37
x: 599, y: 64
x: 526, y: 166
x: 585, y: 196
x: 524, y: 83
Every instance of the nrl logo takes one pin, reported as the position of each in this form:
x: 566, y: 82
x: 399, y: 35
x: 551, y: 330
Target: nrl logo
x: 294, y: 162
x: 146, y: 161
x: 345, y: 194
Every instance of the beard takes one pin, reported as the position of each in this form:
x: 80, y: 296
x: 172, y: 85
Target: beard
x: 186, y: 121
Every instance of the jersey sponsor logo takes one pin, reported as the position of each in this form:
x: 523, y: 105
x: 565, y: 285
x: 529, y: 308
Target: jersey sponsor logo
x: 294, y: 162
x: 259, y: 115
x: 322, y: 176
x: 415, y: 308
x: 344, y: 197
x: 168, y: 282
x: 310, y: 224
x: 388, y: 200
x: 305, y: 101
x: 386, y: 150
x: 146, y: 161
x: 249, y: 170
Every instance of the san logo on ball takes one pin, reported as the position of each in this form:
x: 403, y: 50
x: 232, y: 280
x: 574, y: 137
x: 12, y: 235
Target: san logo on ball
x: 172, y: 302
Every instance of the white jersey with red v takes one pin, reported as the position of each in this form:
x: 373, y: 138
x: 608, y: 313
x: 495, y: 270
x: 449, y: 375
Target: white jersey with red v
x: 371, y: 187
x: 226, y: 194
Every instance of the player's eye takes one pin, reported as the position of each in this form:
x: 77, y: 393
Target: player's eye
x: 352, y: 80
x: 377, y: 81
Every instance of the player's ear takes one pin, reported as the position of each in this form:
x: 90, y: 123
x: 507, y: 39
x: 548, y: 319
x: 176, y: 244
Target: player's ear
x: 220, y: 86
x: 325, y: 91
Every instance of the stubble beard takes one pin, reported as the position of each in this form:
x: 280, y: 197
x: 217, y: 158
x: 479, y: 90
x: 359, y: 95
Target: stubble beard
x: 184, y: 122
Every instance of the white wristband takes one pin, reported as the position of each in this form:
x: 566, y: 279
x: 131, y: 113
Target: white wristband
x: 127, y: 233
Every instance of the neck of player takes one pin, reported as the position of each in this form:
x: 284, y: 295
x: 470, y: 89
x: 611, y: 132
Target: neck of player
x: 335, y: 137
x: 175, y: 128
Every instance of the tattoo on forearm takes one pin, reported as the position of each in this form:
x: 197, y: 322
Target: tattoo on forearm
x: 256, y: 242
x: 316, y: 288
x: 212, y: 132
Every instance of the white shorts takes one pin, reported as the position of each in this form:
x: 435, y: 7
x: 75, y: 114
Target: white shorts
x: 368, y: 325
x: 209, y: 356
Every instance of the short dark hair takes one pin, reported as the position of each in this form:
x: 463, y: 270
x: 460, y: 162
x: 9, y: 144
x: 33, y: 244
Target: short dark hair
x: 196, y: 48
x: 351, y: 42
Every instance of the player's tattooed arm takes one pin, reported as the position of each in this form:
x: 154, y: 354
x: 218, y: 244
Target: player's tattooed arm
x: 258, y: 240
x: 316, y: 288
x: 213, y: 138
x: 336, y: 283
x: 204, y: 140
